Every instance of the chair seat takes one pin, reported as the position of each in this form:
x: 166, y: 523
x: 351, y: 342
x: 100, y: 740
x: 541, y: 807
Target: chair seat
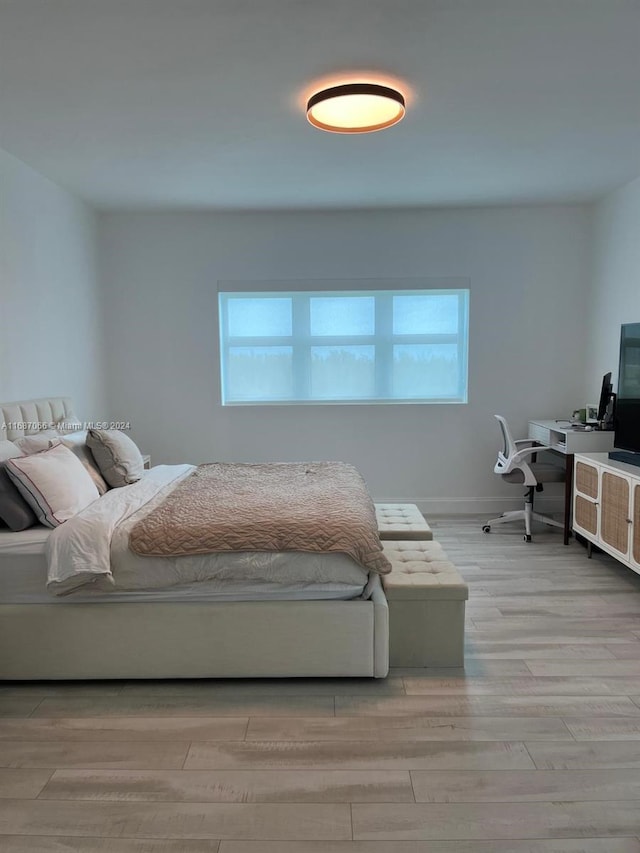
x: 545, y: 473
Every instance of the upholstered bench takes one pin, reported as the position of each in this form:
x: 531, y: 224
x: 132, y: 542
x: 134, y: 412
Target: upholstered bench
x: 426, y: 598
x: 401, y: 521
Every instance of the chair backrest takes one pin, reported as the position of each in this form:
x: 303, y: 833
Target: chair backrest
x: 507, y: 464
x: 508, y: 444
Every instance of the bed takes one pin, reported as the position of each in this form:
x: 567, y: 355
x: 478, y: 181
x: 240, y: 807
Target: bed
x: 188, y: 630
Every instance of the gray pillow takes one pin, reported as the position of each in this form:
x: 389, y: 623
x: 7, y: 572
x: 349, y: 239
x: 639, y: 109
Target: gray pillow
x: 15, y: 512
x: 117, y: 456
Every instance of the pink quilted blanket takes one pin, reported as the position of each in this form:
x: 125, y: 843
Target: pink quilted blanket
x: 313, y: 506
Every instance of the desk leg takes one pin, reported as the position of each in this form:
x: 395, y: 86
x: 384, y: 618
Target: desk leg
x: 568, y: 496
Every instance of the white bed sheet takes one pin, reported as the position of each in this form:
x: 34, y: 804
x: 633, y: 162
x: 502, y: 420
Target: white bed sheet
x: 286, y: 576
x: 27, y: 543
x: 92, y: 550
x: 23, y: 578
x: 23, y: 565
x: 26, y: 585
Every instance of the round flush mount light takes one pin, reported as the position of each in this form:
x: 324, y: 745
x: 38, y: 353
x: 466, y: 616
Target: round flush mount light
x: 356, y: 108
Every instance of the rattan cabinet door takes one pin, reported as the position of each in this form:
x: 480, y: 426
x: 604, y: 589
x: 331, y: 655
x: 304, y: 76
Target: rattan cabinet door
x: 585, y: 516
x: 585, y: 499
x: 635, y: 533
x: 615, y: 512
x: 586, y: 479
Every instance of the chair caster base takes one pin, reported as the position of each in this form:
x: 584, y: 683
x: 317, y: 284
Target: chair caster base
x: 486, y: 528
x: 527, y: 537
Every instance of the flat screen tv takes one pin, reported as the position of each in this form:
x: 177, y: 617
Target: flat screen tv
x: 627, y: 414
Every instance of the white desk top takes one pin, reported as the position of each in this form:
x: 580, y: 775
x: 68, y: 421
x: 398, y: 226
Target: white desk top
x: 561, y: 437
x: 560, y: 425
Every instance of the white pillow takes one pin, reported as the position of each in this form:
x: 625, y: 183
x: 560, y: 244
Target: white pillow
x: 8, y: 450
x: 39, y: 441
x: 77, y: 444
x: 71, y: 423
x: 54, y: 483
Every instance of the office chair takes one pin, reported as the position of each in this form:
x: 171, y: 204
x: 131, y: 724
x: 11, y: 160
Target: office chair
x: 514, y: 466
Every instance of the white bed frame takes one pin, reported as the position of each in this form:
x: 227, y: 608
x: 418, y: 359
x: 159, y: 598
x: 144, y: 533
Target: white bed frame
x: 242, y: 639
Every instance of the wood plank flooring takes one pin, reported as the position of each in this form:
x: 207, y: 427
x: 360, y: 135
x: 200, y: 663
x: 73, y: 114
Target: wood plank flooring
x: 533, y: 748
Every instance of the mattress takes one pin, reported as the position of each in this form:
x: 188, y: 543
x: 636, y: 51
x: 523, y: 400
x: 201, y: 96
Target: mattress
x: 301, y: 577
x: 26, y: 543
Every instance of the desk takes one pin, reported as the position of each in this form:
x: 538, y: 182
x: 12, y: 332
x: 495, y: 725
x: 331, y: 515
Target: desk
x: 561, y: 439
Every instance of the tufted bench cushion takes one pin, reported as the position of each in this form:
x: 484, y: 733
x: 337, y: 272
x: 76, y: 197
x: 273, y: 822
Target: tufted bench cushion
x: 401, y: 521
x: 421, y: 570
x: 426, y: 597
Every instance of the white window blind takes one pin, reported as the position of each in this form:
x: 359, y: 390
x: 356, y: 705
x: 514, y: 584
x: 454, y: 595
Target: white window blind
x: 359, y: 346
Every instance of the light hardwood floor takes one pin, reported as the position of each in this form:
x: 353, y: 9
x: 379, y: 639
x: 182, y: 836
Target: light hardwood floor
x: 533, y: 748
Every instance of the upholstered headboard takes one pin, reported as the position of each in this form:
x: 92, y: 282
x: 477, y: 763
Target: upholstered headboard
x: 28, y: 417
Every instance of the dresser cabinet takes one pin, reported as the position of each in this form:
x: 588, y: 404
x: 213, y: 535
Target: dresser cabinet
x: 606, y: 506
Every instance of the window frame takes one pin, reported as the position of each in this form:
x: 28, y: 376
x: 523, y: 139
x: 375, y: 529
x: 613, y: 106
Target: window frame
x: 383, y: 339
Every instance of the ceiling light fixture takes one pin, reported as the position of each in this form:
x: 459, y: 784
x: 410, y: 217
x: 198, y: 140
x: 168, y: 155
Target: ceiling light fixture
x: 356, y: 108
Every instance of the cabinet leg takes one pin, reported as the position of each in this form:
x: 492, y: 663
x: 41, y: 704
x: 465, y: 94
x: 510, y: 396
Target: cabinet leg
x: 589, y: 549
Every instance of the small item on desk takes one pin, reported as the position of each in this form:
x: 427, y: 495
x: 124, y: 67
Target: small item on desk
x: 592, y: 414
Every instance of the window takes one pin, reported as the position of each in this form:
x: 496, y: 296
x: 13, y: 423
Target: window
x: 356, y: 346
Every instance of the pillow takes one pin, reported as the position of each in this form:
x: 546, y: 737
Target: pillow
x: 15, y: 512
x: 70, y: 424
x: 35, y: 443
x: 119, y: 460
x: 8, y: 450
x: 77, y: 444
x: 54, y: 483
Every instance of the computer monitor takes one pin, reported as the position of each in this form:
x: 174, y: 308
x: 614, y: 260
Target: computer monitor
x: 605, y: 396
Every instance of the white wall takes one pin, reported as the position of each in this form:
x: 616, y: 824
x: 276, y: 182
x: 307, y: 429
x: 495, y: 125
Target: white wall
x: 528, y: 271
x: 615, y: 297
x: 49, y: 324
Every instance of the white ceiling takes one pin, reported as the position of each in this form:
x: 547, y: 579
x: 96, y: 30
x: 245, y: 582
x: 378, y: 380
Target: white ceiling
x: 199, y: 103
